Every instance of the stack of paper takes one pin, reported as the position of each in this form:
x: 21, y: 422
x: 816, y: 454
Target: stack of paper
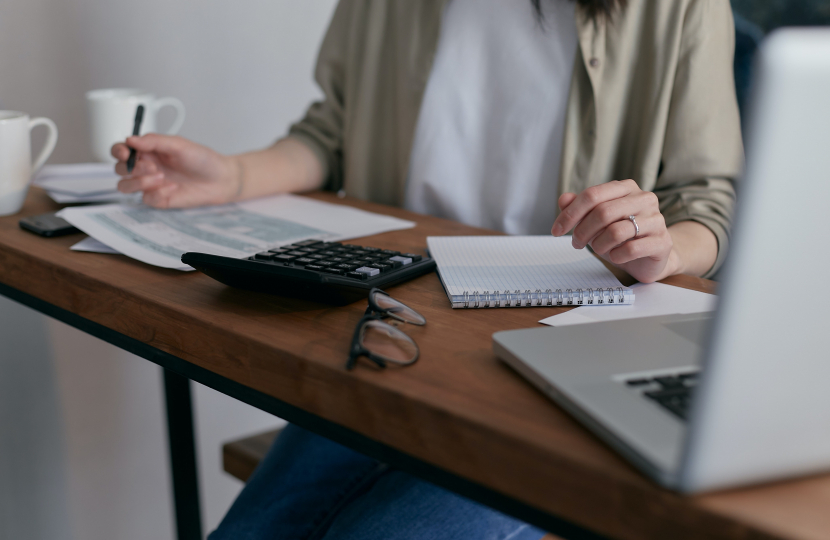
x: 161, y: 237
x: 81, y: 182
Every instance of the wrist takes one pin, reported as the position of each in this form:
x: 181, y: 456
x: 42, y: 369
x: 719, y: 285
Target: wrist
x: 675, y: 264
x: 236, y: 175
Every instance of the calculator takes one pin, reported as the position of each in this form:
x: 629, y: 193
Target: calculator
x: 329, y: 272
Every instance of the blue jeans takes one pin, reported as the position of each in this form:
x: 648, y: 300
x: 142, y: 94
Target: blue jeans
x: 309, y: 488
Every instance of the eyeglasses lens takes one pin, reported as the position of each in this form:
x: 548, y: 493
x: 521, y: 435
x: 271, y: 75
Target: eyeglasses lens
x: 388, y: 342
x: 397, y: 309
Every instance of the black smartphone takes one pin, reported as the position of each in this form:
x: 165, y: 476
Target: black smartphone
x: 48, y: 225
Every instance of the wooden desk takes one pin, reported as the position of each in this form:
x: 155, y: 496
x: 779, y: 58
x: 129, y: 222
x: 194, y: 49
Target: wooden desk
x: 459, y: 417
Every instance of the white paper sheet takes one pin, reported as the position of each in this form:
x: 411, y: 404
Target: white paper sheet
x: 75, y: 169
x: 91, y: 245
x: 109, y: 197
x: 81, y: 182
x: 81, y: 185
x: 653, y: 299
x: 160, y: 237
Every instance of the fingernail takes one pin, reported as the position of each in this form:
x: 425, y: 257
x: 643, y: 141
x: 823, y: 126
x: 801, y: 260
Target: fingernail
x: 557, y: 229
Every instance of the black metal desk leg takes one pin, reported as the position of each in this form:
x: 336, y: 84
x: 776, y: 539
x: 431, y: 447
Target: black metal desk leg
x: 182, y: 456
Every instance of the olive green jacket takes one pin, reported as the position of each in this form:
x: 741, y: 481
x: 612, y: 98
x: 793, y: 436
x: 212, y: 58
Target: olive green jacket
x: 652, y: 98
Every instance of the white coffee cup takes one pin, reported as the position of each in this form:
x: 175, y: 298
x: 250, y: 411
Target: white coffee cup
x: 112, y: 115
x: 16, y: 166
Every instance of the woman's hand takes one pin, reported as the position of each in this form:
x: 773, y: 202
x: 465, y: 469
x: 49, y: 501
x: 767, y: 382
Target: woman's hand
x: 599, y: 218
x: 174, y: 172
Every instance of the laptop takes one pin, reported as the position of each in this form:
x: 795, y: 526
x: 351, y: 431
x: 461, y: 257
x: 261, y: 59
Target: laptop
x: 742, y: 395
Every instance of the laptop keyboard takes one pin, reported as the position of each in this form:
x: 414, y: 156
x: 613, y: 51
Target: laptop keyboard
x: 672, y: 392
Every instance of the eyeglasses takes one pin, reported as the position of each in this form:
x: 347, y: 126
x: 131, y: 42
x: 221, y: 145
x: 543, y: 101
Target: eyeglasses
x: 380, y: 342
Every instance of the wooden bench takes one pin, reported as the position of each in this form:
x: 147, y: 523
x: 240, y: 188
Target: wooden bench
x: 242, y: 456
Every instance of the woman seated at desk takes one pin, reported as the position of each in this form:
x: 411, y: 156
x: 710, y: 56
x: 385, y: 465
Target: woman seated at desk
x: 466, y: 109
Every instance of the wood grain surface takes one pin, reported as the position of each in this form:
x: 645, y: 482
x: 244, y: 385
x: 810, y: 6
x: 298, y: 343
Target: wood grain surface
x: 458, y: 408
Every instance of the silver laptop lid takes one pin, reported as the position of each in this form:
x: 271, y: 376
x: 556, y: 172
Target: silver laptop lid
x: 762, y: 410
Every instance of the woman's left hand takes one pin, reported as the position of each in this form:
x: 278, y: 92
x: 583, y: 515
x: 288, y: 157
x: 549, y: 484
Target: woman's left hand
x: 599, y: 218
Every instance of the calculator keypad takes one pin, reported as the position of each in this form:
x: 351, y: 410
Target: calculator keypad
x: 356, y: 262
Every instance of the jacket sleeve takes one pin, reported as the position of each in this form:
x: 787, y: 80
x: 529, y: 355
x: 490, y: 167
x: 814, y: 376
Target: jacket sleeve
x: 321, y: 129
x: 703, y: 150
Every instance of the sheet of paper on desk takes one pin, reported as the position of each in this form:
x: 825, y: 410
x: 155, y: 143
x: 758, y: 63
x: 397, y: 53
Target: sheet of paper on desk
x: 108, y: 197
x: 653, y: 299
x: 81, y: 182
x: 91, y: 245
x: 160, y: 237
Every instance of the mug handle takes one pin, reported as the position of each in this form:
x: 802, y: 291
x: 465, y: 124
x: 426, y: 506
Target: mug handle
x: 49, y: 145
x: 176, y: 104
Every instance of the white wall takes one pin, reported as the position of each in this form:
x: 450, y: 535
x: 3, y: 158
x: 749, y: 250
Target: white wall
x: 82, y: 435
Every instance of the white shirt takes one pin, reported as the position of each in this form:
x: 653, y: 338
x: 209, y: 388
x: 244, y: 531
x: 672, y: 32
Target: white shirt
x: 488, y: 141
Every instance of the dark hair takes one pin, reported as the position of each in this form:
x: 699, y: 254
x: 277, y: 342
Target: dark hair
x: 594, y: 7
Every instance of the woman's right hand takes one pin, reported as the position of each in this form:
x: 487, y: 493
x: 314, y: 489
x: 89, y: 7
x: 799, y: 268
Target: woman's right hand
x: 174, y: 172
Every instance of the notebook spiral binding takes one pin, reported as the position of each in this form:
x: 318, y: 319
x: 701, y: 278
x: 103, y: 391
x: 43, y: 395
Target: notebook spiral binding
x: 568, y: 297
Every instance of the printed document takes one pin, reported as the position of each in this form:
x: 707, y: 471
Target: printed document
x: 161, y: 237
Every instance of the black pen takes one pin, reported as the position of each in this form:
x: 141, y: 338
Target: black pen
x: 139, y: 115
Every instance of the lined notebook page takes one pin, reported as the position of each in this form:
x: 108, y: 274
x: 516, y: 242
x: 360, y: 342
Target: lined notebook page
x: 510, y: 263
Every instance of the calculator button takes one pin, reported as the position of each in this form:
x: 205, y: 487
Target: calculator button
x: 317, y: 256
x: 369, y: 272
x: 284, y: 257
x: 264, y: 256
x: 337, y: 259
x: 279, y: 250
x: 336, y: 271
x: 305, y: 243
x: 401, y: 259
x: 357, y: 275
x: 393, y: 263
x: 347, y: 267
x: 296, y: 253
x: 371, y: 249
x: 380, y: 266
x: 304, y: 260
x: 314, y: 267
x: 413, y: 256
x: 324, y: 263
x: 390, y: 253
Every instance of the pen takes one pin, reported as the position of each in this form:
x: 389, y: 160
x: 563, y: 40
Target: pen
x: 139, y: 115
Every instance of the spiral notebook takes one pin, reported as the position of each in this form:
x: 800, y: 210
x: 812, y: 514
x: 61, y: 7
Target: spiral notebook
x: 522, y: 271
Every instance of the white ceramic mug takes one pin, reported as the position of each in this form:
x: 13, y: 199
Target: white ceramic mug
x: 112, y: 115
x: 16, y: 166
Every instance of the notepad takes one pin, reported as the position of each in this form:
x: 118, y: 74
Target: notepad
x: 523, y: 271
